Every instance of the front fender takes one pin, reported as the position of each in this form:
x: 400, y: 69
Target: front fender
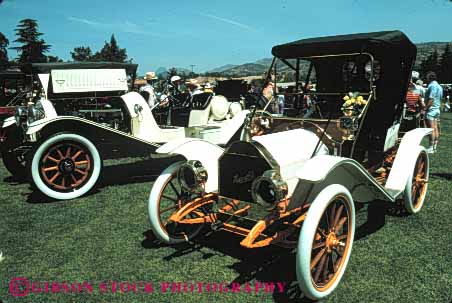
x: 196, y: 149
x: 8, y: 122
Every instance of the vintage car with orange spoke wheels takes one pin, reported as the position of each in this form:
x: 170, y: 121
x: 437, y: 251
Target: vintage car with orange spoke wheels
x: 293, y: 179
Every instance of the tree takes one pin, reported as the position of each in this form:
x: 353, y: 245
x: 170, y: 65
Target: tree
x: 32, y: 48
x: 172, y: 72
x: 431, y: 63
x: 3, y: 51
x: 111, y: 52
x: 445, y: 66
x: 54, y: 59
x: 82, y: 54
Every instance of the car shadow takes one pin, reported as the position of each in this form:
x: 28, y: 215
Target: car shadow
x: 266, y: 264
x: 262, y: 264
x: 143, y: 170
x: 446, y: 176
x: 11, y: 180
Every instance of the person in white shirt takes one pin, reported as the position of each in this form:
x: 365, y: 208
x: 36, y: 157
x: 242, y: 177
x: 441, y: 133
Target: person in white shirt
x: 148, y: 90
x: 193, y: 87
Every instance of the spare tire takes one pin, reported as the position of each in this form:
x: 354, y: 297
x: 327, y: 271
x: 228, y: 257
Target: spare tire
x: 219, y: 107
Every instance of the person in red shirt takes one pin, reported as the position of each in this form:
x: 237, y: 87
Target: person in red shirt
x: 414, y: 104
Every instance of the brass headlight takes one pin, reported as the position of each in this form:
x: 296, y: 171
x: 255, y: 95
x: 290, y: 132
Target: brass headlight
x: 35, y: 112
x: 268, y: 189
x: 192, y: 176
x: 20, y: 115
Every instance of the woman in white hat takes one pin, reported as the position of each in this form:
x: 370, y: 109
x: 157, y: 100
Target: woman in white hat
x: 193, y: 87
x: 208, y: 88
x: 147, y: 91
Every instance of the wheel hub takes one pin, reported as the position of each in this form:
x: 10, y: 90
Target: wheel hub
x: 331, y: 242
x: 66, y: 166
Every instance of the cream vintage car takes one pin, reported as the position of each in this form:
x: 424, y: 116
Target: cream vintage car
x: 82, y: 114
x: 294, y: 182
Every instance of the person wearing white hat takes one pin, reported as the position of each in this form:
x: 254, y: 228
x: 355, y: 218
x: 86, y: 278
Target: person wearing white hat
x: 174, y: 84
x: 208, y: 88
x: 418, y: 84
x: 193, y: 87
x: 147, y: 91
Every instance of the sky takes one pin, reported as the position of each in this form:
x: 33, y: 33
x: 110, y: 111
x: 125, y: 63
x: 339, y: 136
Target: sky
x: 209, y: 34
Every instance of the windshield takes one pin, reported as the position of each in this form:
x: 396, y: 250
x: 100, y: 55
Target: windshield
x: 315, y: 87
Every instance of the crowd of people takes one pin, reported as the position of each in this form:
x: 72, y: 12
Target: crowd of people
x: 425, y: 101
x: 173, y: 86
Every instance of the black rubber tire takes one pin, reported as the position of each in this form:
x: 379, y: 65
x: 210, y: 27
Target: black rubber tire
x: 14, y: 165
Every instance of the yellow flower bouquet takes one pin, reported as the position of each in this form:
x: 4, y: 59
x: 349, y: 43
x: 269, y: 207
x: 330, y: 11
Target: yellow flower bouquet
x: 353, y: 104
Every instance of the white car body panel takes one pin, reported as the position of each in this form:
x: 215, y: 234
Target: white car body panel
x: 8, y: 122
x: 143, y: 123
x: 401, y: 168
x: 196, y: 149
x: 44, y: 79
x: 86, y: 80
x: 145, y: 128
x: 323, y: 169
x: 49, y: 109
x: 391, y: 136
x: 282, y: 145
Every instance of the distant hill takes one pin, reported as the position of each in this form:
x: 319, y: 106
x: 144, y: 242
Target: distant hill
x: 247, y: 69
x: 222, y: 68
x: 161, y: 71
x: 261, y: 66
x: 426, y: 49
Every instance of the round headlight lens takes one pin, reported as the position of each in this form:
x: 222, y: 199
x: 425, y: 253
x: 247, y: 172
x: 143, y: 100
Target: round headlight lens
x: 192, y: 175
x: 35, y: 113
x: 268, y: 189
x: 20, y: 115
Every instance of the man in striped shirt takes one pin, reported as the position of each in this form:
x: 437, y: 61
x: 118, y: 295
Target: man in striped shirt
x: 414, y: 99
x: 414, y: 104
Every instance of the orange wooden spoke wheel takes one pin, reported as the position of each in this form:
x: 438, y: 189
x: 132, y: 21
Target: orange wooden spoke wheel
x: 172, y: 198
x: 330, y: 243
x: 66, y: 166
x: 419, y: 181
x: 325, y: 242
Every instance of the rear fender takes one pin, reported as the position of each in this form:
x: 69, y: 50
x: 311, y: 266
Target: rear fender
x: 406, y: 155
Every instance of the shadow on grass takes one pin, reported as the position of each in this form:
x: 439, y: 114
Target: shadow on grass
x: 118, y: 174
x: 442, y: 176
x: 272, y: 263
x: 12, y: 180
x: 267, y: 264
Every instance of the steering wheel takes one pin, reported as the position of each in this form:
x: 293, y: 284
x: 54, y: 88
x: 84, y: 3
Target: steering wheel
x: 262, y: 122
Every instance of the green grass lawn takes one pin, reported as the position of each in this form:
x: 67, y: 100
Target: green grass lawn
x: 102, y: 238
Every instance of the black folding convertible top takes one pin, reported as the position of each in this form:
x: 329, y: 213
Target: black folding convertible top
x: 386, y: 43
x: 36, y: 68
x: 393, y: 54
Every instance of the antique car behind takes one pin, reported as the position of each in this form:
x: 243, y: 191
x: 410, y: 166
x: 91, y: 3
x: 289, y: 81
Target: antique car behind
x: 13, y: 91
x: 293, y: 182
x: 83, y: 115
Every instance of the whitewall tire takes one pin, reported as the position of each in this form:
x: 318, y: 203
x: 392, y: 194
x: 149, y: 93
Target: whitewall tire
x: 325, y: 242
x: 65, y: 166
x: 416, y: 185
x: 166, y: 198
